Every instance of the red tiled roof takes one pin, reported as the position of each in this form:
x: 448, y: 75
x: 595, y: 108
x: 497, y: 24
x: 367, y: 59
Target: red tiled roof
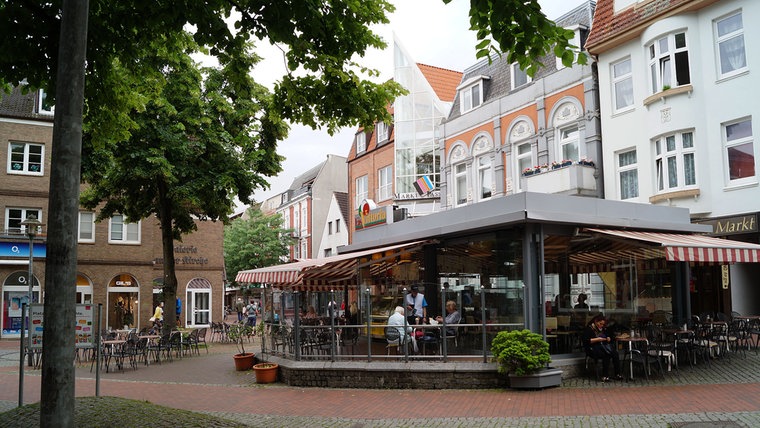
x: 443, y: 81
x: 632, y: 20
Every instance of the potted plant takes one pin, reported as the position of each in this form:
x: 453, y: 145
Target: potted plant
x: 266, y: 372
x: 524, y: 356
x: 238, y: 333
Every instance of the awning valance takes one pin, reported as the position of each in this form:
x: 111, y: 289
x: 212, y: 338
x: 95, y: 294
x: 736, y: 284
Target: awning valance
x: 693, y: 248
x: 326, y: 271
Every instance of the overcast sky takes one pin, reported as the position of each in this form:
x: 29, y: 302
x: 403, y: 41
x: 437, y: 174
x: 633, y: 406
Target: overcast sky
x: 432, y: 32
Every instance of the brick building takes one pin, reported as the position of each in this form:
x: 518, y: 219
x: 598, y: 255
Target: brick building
x: 120, y: 265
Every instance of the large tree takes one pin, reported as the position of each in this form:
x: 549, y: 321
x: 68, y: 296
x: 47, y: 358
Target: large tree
x: 254, y: 241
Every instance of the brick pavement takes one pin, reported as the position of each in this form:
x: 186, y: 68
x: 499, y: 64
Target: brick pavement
x: 728, y: 391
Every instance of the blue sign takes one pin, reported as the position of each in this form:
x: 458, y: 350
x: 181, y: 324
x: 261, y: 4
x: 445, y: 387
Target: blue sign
x: 21, y: 249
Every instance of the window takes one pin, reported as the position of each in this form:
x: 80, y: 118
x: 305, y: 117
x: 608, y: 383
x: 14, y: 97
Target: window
x: 337, y: 225
x: 25, y: 158
x: 472, y: 96
x: 385, y: 183
x: 485, y: 175
x: 14, y: 217
x: 43, y: 104
x: 628, y: 174
x: 304, y: 220
x: 460, y: 186
x: 519, y: 77
x: 329, y: 228
x: 622, y: 84
x: 122, y: 232
x: 568, y: 144
x: 86, y: 227
x: 669, y: 62
x: 361, y: 190
x: 729, y: 33
x: 740, y: 150
x: 674, y: 162
x: 361, y: 143
x: 382, y: 129
x: 524, y: 158
x: 328, y: 252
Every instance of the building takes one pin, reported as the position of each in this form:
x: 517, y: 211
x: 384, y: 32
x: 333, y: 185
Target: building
x: 677, y: 123
x: 119, y: 264
x: 305, y: 207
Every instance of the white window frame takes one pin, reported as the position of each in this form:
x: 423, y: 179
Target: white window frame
x: 622, y: 85
x: 362, y: 190
x: 41, y: 97
x: 628, y: 168
x: 337, y: 225
x: 385, y: 183
x: 735, y: 36
x: 517, y: 71
x: 485, y: 177
x: 667, y: 159
x: 382, y: 132
x: 575, y: 41
x: 663, y: 70
x: 472, y: 96
x: 13, y: 223
x: 461, y: 184
x: 329, y: 228
x: 26, y: 164
x: 566, y: 136
x: 86, y: 224
x: 732, y: 143
x: 520, y: 158
x: 361, y: 142
x: 304, y: 220
x: 130, y: 232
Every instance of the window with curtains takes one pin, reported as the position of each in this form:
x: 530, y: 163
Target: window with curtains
x: 622, y: 84
x: 122, y: 232
x: 362, y: 190
x: 669, y: 62
x: 674, y: 162
x: 385, y: 183
x: 740, y: 151
x: 524, y: 158
x: 86, y: 226
x: 485, y: 176
x: 729, y: 40
x: 628, y: 174
x: 472, y: 96
x: 569, y: 143
x: 460, y: 184
x: 361, y: 142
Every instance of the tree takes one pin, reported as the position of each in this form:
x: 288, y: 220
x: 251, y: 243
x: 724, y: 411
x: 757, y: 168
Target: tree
x: 254, y: 242
x: 521, y: 31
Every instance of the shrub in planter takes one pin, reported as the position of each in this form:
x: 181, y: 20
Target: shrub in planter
x: 520, y: 352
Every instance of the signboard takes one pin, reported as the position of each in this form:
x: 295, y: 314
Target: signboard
x: 21, y: 249
x: 733, y: 225
x: 84, y: 329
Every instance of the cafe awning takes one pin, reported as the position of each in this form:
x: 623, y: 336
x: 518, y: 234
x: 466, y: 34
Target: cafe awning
x: 680, y: 247
x: 324, y: 271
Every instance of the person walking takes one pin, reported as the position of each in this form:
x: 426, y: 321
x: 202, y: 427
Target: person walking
x: 239, y: 306
x: 252, y: 311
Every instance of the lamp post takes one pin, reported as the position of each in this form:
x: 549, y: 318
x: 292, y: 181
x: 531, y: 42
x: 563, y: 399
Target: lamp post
x: 30, y: 226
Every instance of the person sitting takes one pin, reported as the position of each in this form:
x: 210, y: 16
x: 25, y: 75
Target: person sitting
x: 452, y: 317
x: 311, y: 313
x: 582, y: 298
x: 597, y: 345
x: 396, y: 320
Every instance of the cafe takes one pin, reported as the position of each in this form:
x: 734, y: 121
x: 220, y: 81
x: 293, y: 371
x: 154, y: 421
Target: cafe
x: 519, y: 261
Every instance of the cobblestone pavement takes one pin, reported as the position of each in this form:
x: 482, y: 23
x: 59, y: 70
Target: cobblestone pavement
x: 727, y: 393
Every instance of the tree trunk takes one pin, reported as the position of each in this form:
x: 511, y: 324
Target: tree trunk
x: 58, y: 375
x: 167, y: 244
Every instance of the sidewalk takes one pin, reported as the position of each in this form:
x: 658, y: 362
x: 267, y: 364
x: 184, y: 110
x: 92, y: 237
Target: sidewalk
x: 727, y: 391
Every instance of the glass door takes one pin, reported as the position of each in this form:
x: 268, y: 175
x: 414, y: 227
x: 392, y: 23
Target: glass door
x: 198, y: 308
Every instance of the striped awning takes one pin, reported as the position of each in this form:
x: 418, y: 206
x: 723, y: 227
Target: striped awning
x: 693, y: 248
x: 323, y: 273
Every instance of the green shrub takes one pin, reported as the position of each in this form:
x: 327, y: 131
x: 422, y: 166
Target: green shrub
x: 520, y: 352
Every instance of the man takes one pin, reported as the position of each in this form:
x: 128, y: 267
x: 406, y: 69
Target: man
x: 252, y: 310
x: 239, y: 305
x: 397, y: 320
x: 416, y: 305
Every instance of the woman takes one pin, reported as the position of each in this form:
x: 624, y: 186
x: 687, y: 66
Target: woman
x: 598, y: 345
x: 452, y: 317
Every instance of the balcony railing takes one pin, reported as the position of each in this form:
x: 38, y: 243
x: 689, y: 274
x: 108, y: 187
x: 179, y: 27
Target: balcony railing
x: 575, y: 179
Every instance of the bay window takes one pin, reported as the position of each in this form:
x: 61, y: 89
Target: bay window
x: 674, y: 162
x: 669, y: 62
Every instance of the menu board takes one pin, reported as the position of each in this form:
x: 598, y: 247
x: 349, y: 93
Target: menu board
x: 84, y: 328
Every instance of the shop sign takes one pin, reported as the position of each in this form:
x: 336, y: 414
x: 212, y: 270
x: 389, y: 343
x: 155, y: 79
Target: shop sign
x: 84, y: 327
x: 724, y: 276
x: 733, y: 225
x: 370, y: 215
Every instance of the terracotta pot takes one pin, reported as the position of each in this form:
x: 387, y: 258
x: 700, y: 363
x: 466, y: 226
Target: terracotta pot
x: 266, y: 372
x: 243, y: 361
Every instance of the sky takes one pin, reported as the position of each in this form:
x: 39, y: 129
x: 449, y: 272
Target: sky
x: 432, y: 32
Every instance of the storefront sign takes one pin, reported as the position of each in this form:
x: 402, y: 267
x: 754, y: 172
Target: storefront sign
x: 724, y: 276
x: 21, y: 249
x: 84, y: 328
x: 413, y: 195
x: 733, y: 225
x: 370, y: 215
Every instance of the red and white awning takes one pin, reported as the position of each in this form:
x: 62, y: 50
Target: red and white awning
x: 693, y: 248
x: 322, y: 272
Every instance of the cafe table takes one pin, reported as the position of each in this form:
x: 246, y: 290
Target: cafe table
x: 112, y: 349
x: 629, y: 340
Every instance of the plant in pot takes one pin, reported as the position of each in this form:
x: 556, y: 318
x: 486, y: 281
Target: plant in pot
x: 238, y: 333
x: 266, y: 372
x: 523, y: 356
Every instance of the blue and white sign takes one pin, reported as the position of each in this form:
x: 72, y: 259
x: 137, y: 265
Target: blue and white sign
x: 21, y: 249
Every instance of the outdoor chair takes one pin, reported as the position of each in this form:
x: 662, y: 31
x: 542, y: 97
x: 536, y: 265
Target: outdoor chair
x: 639, y: 355
x: 393, y: 339
x: 201, y: 338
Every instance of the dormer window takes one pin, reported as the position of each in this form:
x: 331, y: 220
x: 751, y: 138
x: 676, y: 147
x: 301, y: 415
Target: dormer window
x: 43, y: 105
x: 471, y: 93
x: 519, y: 77
x: 361, y: 142
x: 382, y: 129
x: 580, y: 33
